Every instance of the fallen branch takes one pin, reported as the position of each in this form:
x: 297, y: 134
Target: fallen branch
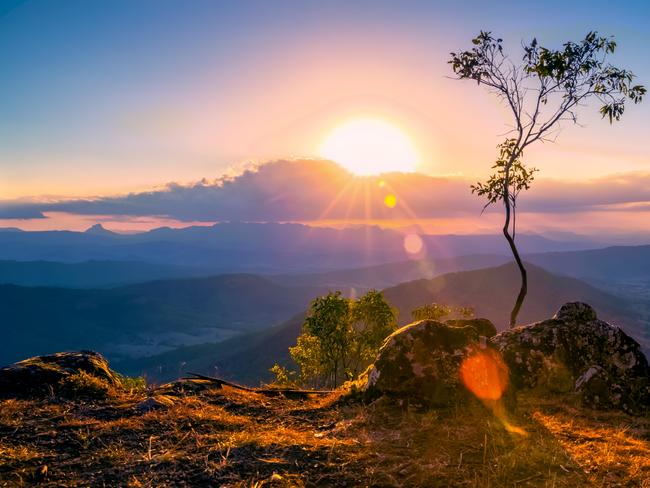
x: 264, y: 391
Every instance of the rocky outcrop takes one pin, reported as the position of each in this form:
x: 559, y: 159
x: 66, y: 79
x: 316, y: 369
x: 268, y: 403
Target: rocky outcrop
x: 437, y: 364
x: 421, y: 361
x: 576, y: 352
x: 45, y: 374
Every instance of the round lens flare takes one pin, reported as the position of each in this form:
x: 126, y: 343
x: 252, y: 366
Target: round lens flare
x: 370, y: 146
x: 390, y: 201
x: 413, y: 244
x: 485, y: 374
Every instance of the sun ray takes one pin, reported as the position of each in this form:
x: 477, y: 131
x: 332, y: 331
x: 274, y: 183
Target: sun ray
x: 336, y: 199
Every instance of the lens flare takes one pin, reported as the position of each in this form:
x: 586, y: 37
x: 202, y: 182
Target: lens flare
x: 390, y: 200
x: 485, y: 374
x: 413, y: 244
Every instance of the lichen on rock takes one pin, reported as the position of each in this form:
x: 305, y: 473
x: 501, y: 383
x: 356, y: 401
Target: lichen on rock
x: 575, y: 351
x: 421, y: 361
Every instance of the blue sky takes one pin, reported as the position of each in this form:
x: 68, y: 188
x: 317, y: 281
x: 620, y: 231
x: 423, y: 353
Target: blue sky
x: 102, y: 98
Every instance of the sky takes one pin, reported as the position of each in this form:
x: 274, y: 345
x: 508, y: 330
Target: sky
x: 104, y: 99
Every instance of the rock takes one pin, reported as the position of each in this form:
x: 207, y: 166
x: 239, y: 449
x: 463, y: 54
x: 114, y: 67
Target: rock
x: 157, y: 402
x: 576, y: 312
x: 421, y: 362
x: 43, y: 374
x: 185, y: 387
x: 596, y: 387
x: 483, y: 326
x: 576, y: 352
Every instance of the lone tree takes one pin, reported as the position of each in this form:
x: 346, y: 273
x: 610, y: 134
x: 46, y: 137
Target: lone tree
x: 546, y: 88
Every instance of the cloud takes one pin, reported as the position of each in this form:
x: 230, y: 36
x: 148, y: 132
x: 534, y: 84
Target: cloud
x: 310, y: 190
x: 615, y: 192
x: 20, y: 210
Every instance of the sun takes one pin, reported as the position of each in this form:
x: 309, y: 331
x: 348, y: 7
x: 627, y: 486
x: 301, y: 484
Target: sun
x: 369, y: 146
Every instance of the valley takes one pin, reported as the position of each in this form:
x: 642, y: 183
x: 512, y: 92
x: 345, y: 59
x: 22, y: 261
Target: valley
x: 160, y: 319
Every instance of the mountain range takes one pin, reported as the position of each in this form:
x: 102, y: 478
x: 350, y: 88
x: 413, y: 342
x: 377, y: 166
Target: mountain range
x: 259, y: 247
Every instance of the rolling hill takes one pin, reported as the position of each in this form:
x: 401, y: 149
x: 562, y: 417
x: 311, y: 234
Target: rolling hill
x: 491, y: 291
x: 245, y: 358
x: 391, y: 274
x: 142, y: 319
x: 90, y: 274
x: 607, y: 264
x: 604, y: 267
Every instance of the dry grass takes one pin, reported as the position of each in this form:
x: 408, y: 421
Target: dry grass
x: 84, y: 385
x: 612, y: 450
x: 225, y: 437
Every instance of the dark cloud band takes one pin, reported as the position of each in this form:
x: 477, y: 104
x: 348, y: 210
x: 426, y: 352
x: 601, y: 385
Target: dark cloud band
x: 308, y: 190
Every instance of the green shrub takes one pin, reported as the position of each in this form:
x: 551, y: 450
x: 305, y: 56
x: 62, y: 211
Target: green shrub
x: 84, y: 385
x: 131, y: 384
x: 283, y: 377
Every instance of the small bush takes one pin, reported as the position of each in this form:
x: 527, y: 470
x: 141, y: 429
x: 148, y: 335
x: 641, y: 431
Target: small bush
x: 133, y: 385
x: 84, y: 385
x: 283, y: 377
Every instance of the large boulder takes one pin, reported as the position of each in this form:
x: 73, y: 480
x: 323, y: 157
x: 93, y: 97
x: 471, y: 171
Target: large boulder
x: 576, y: 352
x: 421, y: 361
x: 45, y: 374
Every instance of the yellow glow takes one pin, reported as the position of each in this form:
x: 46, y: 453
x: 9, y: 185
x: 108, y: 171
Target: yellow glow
x: 390, y: 200
x: 370, y: 146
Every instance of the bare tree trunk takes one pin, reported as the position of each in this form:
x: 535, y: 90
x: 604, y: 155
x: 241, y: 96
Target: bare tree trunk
x: 514, y: 219
x: 522, y: 270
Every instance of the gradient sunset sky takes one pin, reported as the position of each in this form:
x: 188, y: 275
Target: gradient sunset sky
x: 101, y: 98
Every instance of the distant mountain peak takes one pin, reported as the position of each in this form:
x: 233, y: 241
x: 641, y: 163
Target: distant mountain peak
x: 99, y: 229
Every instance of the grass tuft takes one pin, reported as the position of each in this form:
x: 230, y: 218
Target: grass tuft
x: 84, y: 385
